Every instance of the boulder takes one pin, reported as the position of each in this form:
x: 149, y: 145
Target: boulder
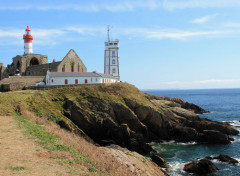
x: 215, y: 137
x: 159, y: 161
x: 204, y: 166
x: 226, y: 159
x: 186, y: 134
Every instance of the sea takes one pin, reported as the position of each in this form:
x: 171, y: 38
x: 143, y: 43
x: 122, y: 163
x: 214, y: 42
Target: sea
x: 224, y: 106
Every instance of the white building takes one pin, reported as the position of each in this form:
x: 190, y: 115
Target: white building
x: 58, y: 78
x: 111, y: 58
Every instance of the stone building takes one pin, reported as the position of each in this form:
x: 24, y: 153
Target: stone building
x: 37, y: 65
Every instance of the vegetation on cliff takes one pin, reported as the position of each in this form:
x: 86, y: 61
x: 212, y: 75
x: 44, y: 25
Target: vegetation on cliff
x: 118, y: 114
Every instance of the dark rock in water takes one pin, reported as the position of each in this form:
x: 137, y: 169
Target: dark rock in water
x: 215, y: 137
x: 209, y: 157
x: 204, y: 166
x: 226, y: 158
x: 185, y: 134
x: 194, y: 107
x: 159, y: 161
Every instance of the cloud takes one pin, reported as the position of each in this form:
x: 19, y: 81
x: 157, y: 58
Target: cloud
x: 201, y: 82
x: 204, y: 19
x: 75, y: 33
x: 44, y: 36
x: 93, y: 31
x: 231, y: 25
x: 113, y: 6
x: 123, y: 5
x: 174, y: 34
x: 198, y: 84
x: 185, y: 4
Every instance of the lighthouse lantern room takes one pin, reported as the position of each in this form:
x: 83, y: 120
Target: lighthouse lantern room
x: 27, y: 37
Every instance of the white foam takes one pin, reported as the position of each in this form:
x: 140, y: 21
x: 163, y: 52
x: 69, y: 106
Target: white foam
x: 235, y: 123
x: 238, y: 159
x: 179, y: 143
x: 187, y: 143
x: 235, y: 140
x: 176, y: 166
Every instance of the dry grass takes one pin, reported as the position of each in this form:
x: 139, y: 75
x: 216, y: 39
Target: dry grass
x: 105, y: 160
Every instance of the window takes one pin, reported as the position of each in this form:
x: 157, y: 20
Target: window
x: 113, y: 53
x: 113, y: 70
x: 52, y: 80
x: 91, y: 79
x: 63, y: 68
x: 78, y: 68
x: 76, y: 81
x: 66, y: 81
x: 113, y: 61
x: 115, y: 43
x: 96, y: 80
x: 72, y: 67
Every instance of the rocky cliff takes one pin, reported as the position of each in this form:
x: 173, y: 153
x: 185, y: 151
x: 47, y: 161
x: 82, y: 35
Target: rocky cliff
x: 121, y: 114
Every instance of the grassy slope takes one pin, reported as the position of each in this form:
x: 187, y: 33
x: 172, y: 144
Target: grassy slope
x: 41, y: 104
x: 49, y: 105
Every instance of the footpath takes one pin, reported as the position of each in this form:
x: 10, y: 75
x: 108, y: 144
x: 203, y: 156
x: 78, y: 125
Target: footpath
x: 21, y: 155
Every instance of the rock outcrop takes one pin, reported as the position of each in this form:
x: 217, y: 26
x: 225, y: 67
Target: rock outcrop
x: 136, y: 164
x: 226, y: 159
x: 121, y: 114
x: 160, y: 161
x: 203, y: 166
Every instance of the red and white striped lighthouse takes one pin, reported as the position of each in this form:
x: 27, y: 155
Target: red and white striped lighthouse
x: 27, y: 37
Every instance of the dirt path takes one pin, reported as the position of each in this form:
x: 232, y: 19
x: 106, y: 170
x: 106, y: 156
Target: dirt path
x: 21, y: 156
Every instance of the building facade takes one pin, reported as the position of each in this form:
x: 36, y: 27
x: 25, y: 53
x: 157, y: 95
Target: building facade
x: 111, y: 58
x: 57, y: 78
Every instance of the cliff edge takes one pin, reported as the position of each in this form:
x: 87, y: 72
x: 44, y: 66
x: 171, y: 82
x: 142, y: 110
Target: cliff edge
x: 119, y: 114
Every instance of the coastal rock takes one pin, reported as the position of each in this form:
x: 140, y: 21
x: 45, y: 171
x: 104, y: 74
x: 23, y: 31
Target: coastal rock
x: 135, y: 163
x: 159, y: 161
x: 215, y: 137
x: 121, y: 114
x: 186, y: 134
x: 204, y: 166
x: 226, y: 159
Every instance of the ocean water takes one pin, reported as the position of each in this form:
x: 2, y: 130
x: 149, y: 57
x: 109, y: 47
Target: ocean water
x: 224, y: 105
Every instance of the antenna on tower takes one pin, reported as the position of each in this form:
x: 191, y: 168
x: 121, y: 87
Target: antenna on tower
x: 108, y: 32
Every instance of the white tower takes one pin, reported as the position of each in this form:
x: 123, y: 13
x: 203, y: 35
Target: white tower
x: 27, y: 37
x: 111, y: 58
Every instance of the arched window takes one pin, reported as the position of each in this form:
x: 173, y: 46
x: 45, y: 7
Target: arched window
x: 72, y: 67
x: 78, y: 68
x: 18, y: 65
x: 113, y: 61
x: 63, y: 68
x: 34, y: 61
x: 113, y: 70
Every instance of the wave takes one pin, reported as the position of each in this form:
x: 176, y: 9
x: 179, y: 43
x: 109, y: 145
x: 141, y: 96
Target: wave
x: 174, y: 142
x: 235, y: 123
x: 177, y: 168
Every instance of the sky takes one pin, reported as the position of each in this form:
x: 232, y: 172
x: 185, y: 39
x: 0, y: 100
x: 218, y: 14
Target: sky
x: 164, y: 44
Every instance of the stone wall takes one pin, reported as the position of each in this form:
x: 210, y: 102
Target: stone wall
x: 19, y: 82
x: 2, y: 68
x: 22, y: 62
